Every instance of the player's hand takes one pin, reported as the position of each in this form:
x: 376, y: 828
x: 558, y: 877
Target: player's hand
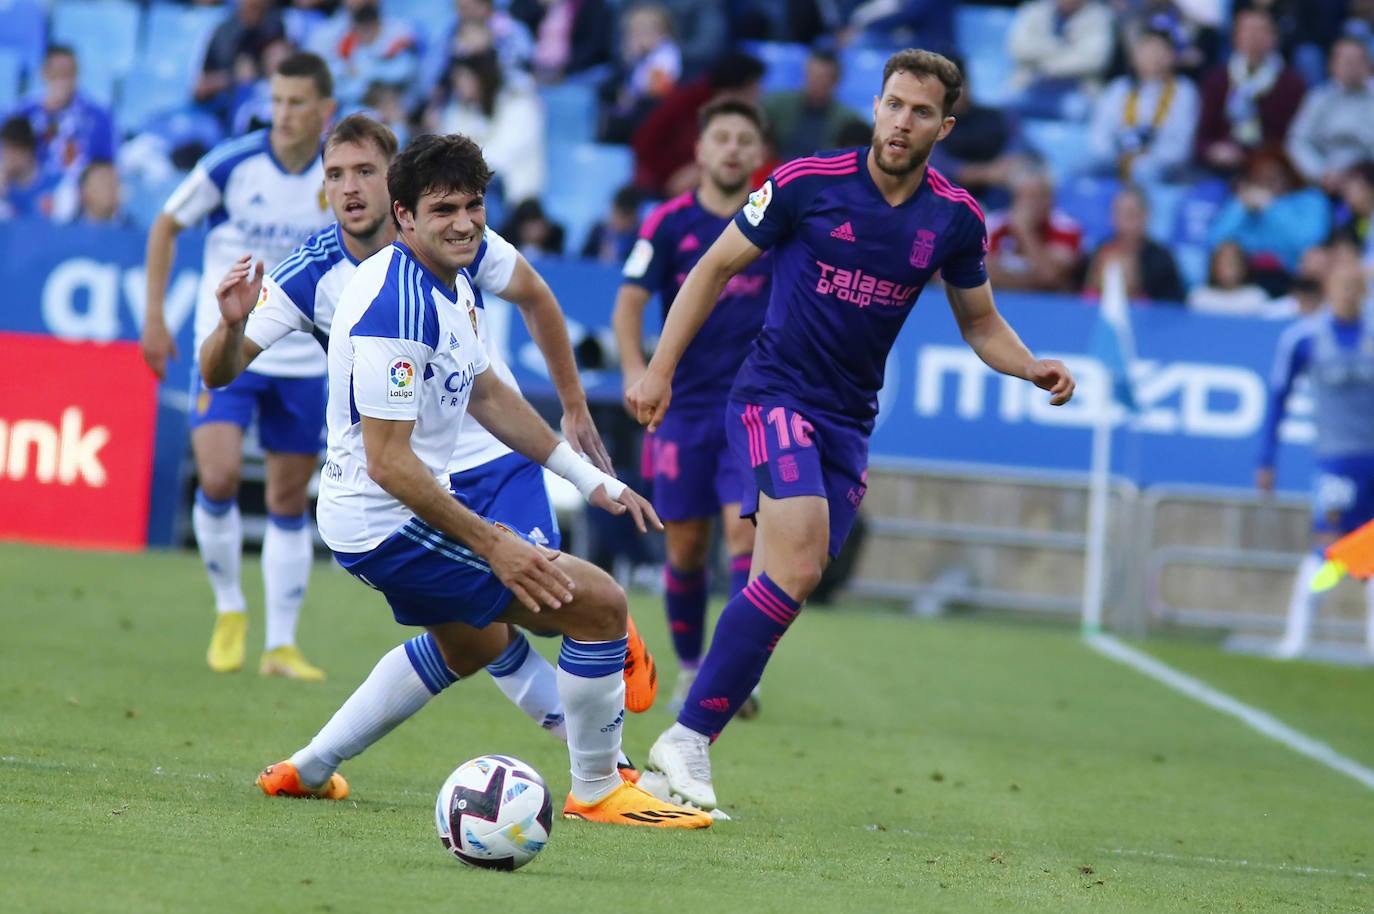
x: 237, y: 293
x: 580, y: 431
x: 530, y: 573
x: 158, y: 346
x: 629, y: 377
x: 631, y: 502
x: 1053, y: 375
x: 648, y: 400
x: 1264, y: 479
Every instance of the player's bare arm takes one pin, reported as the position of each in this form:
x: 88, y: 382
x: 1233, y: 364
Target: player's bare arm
x: 509, y: 416
x: 156, y: 340
x: 226, y: 352
x: 627, y: 320
x: 727, y: 256
x: 996, y: 343
x: 549, y: 330
x: 526, y: 569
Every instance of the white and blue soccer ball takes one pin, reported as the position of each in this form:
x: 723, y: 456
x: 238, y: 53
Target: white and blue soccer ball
x: 494, y: 812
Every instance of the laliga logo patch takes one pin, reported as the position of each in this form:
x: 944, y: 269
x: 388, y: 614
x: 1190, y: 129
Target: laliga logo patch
x: 262, y: 297
x: 758, y: 203
x: 402, y: 378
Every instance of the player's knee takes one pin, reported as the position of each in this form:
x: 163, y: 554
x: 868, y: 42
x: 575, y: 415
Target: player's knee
x: 287, y: 504
x: 604, y: 608
x: 800, y: 578
x: 219, y: 483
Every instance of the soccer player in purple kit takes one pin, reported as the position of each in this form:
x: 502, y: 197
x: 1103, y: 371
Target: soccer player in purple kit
x: 693, y: 474
x: 855, y: 235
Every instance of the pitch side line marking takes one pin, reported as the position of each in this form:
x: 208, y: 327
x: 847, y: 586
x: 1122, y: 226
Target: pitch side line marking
x: 1254, y: 718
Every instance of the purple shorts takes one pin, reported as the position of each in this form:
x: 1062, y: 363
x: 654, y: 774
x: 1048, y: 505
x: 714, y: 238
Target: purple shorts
x: 693, y: 471
x: 790, y: 456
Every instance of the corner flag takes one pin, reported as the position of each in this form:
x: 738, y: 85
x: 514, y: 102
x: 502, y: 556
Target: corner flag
x: 1113, y: 342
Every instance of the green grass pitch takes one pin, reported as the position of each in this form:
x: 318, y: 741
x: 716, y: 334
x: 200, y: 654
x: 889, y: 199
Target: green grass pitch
x: 958, y: 765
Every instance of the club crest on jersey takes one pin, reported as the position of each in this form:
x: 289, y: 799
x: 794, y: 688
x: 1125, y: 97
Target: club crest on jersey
x: 922, y: 248
x: 472, y: 316
x: 401, y: 381
x: 758, y: 203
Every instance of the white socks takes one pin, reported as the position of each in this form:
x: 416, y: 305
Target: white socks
x: 287, y: 553
x: 592, y: 684
x: 401, y: 683
x: 527, y: 679
x: 219, y: 536
x: 1302, y: 604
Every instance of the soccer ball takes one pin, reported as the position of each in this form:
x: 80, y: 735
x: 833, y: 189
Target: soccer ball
x: 494, y: 812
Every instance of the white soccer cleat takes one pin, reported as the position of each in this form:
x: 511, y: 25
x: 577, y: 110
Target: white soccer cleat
x: 684, y: 759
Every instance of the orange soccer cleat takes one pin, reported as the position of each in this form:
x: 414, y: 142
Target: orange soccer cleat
x: 283, y: 780
x: 641, y: 675
x: 629, y: 804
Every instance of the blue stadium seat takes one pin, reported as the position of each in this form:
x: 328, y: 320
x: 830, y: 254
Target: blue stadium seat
x: 174, y: 32
x: 980, y: 32
x: 1166, y: 201
x: 11, y: 73
x: 1088, y: 200
x: 430, y: 17
x: 23, y: 30
x: 155, y: 86
x: 1062, y: 144
x: 104, y: 35
x: 582, y: 180
x: 570, y: 113
x: 861, y: 77
x: 786, y: 63
x: 1187, y: 238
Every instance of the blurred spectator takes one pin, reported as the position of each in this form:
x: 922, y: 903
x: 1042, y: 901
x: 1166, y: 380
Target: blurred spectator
x: 610, y: 240
x: 1148, y: 267
x: 927, y: 24
x: 1142, y: 124
x: 1228, y: 289
x: 982, y: 151
x: 26, y: 191
x: 1061, y: 49
x: 478, y: 25
x: 647, y: 69
x: 810, y: 118
x: 100, y: 200
x: 701, y: 29
x: 1334, y: 128
x: 72, y: 131
x: 533, y: 232
x: 231, y: 57
x: 369, y: 49
x: 253, y: 108
x: 1032, y: 246
x: 1192, y: 26
x: 1357, y: 203
x: 1273, y: 218
x: 506, y: 120
x: 1305, y: 295
x: 385, y: 102
x: 570, y: 36
x: 665, y: 144
x: 1251, y: 100
x: 1306, y: 30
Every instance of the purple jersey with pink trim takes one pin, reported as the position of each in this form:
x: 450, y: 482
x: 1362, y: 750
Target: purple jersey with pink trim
x: 847, y: 269
x: 671, y: 241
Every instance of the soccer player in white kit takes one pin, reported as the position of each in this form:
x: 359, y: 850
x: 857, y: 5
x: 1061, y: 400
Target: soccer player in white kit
x: 405, y: 366
x: 258, y: 194
x: 301, y: 294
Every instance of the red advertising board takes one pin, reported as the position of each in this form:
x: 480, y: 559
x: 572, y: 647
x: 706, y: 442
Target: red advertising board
x: 76, y: 442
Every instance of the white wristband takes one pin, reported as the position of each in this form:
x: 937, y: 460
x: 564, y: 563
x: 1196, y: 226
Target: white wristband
x: 566, y: 463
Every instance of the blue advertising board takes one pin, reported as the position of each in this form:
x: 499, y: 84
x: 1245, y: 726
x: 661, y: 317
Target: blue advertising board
x: 1201, y: 381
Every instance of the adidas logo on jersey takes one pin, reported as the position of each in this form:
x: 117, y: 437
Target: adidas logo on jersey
x: 690, y: 243
x: 844, y: 232
x: 452, y: 340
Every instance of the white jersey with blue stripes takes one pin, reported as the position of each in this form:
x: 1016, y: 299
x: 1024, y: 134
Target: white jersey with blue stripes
x: 251, y: 205
x: 302, y: 292
x: 403, y: 347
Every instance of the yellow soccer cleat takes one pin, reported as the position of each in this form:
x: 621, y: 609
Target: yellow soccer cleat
x: 226, y: 644
x: 288, y: 661
x: 283, y: 780
x: 628, y: 804
x: 641, y: 674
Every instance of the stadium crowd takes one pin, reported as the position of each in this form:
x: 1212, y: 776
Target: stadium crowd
x: 1219, y: 151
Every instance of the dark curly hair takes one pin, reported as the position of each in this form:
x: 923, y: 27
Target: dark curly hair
x: 435, y: 163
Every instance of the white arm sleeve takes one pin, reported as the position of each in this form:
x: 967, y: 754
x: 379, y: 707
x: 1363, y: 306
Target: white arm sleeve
x: 194, y: 199
x: 498, y: 266
x: 275, y: 316
x: 386, y: 376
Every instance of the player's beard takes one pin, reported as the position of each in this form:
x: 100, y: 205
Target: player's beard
x: 732, y: 188
x: 371, y: 229
x: 917, y: 159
